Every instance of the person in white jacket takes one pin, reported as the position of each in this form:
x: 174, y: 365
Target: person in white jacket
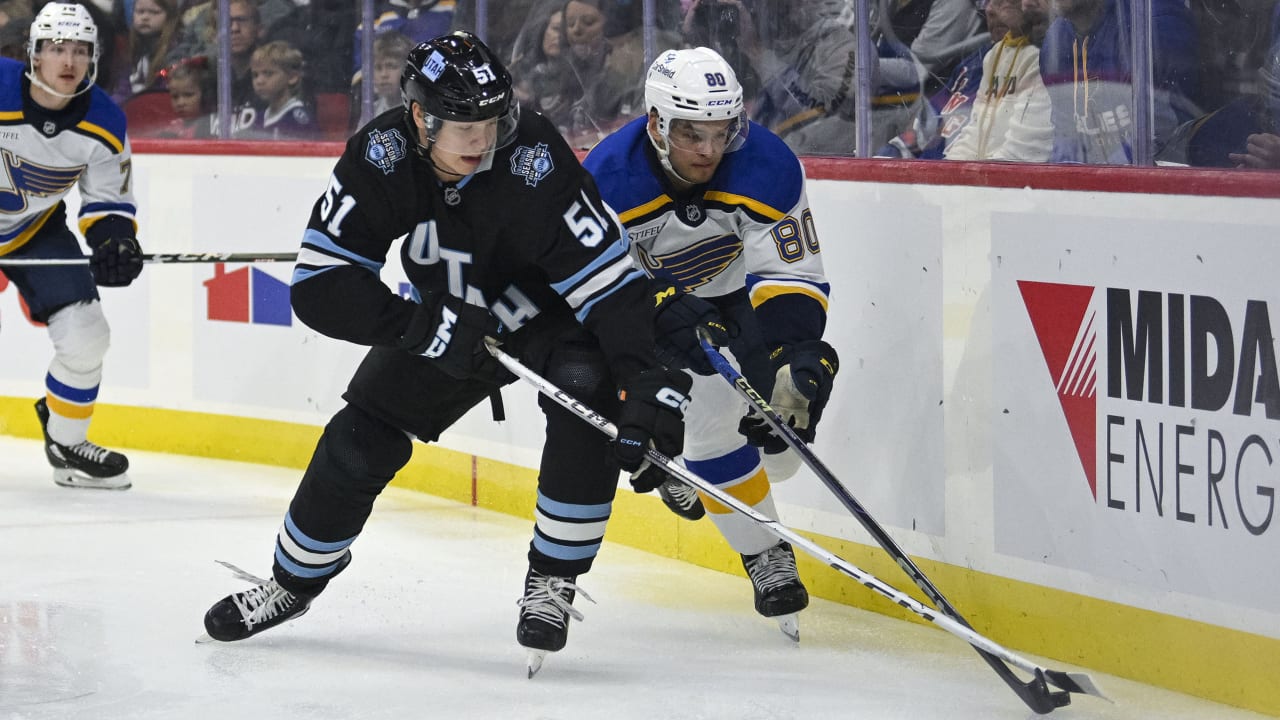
x: 1010, y: 116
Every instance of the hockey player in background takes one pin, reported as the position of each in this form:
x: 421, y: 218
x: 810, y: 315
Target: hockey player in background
x: 58, y: 129
x: 504, y: 228
x: 716, y: 205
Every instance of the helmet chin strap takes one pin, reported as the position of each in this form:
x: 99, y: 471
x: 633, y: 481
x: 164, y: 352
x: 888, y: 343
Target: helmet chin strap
x: 88, y: 83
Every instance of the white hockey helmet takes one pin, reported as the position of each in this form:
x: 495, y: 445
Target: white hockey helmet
x: 60, y: 22
x: 63, y: 21
x: 697, y: 85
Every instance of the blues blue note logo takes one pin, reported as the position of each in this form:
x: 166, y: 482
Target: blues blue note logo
x: 386, y: 148
x: 532, y: 163
x: 23, y: 179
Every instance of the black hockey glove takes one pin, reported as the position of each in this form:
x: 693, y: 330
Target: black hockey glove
x: 805, y: 374
x: 116, y: 261
x: 653, y: 406
x: 451, y: 332
x: 675, y: 330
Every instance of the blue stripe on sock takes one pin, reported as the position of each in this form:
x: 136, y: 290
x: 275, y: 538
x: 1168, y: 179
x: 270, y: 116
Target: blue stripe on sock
x: 564, y: 552
x: 574, y: 511
x: 299, y: 570
x: 313, y: 545
x: 737, y: 464
x: 66, y: 392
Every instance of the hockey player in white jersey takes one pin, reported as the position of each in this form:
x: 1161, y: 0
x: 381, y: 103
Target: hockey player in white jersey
x: 716, y: 206
x: 58, y: 129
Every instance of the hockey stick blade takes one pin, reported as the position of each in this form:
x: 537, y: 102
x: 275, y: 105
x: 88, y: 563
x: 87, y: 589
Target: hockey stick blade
x: 1035, y: 693
x: 1038, y: 698
x: 162, y: 259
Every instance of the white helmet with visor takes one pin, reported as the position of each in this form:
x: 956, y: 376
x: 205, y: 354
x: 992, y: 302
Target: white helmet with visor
x: 699, y: 86
x: 62, y: 22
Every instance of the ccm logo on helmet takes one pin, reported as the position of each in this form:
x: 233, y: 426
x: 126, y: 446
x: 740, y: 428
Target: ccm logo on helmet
x: 715, y: 103
x: 492, y: 100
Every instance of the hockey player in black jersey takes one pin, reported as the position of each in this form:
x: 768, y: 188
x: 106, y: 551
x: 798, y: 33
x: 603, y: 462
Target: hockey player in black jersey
x: 506, y: 236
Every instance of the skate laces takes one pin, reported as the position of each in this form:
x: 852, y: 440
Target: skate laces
x: 545, y: 599
x: 89, y: 451
x: 772, y: 569
x: 680, y: 494
x: 262, y: 603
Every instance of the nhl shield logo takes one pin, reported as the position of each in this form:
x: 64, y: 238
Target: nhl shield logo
x: 693, y: 213
x: 385, y: 149
x: 532, y: 163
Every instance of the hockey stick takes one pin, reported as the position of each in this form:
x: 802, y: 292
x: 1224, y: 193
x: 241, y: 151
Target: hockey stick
x: 163, y: 258
x: 959, y: 629
x: 1035, y: 693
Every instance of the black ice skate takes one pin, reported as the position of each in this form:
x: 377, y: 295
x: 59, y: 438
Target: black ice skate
x: 245, y: 614
x: 84, y: 465
x: 545, y: 610
x: 779, y: 592
x: 681, y: 499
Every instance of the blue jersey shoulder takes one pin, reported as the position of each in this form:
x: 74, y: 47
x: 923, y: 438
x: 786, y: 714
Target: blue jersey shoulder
x: 764, y: 169
x: 11, y: 72
x: 621, y: 169
x: 106, y: 114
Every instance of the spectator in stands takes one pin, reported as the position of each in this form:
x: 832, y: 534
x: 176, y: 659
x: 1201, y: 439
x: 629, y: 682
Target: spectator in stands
x: 279, y: 110
x: 199, y: 37
x: 535, y: 64
x: 501, y: 28
x: 807, y: 76
x: 1085, y: 63
x: 938, y: 33
x: 15, y: 19
x: 193, y: 96
x: 590, y: 86
x: 1244, y: 133
x: 152, y: 36
x: 389, y: 51
x: 322, y: 30
x: 947, y: 110
x: 1010, y: 116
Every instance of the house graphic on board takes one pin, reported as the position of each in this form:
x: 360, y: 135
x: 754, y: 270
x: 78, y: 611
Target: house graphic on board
x: 247, y: 295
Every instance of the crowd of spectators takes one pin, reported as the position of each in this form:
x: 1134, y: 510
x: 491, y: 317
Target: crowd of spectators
x: 1013, y: 80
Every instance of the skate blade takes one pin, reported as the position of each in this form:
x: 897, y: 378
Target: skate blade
x: 534, y: 661
x: 789, y: 625
x: 73, y: 479
x: 205, y: 638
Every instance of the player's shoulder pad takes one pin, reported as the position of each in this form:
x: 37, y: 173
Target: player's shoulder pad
x: 538, y: 159
x: 764, y: 169
x: 104, y: 120
x: 621, y: 169
x: 11, y: 72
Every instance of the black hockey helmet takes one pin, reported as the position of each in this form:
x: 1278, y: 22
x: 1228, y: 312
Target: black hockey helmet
x: 456, y: 78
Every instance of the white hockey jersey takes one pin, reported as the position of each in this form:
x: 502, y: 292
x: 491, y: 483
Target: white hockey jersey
x: 750, y: 226
x: 46, y: 153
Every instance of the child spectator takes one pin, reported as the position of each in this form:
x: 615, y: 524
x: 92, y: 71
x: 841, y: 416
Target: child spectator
x: 279, y: 111
x: 389, y: 51
x: 193, y: 96
x: 154, y: 31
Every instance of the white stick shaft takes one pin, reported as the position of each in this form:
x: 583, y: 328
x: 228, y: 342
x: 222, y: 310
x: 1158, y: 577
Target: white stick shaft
x: 773, y: 526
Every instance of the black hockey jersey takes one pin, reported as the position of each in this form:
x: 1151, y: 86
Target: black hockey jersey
x: 528, y: 236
